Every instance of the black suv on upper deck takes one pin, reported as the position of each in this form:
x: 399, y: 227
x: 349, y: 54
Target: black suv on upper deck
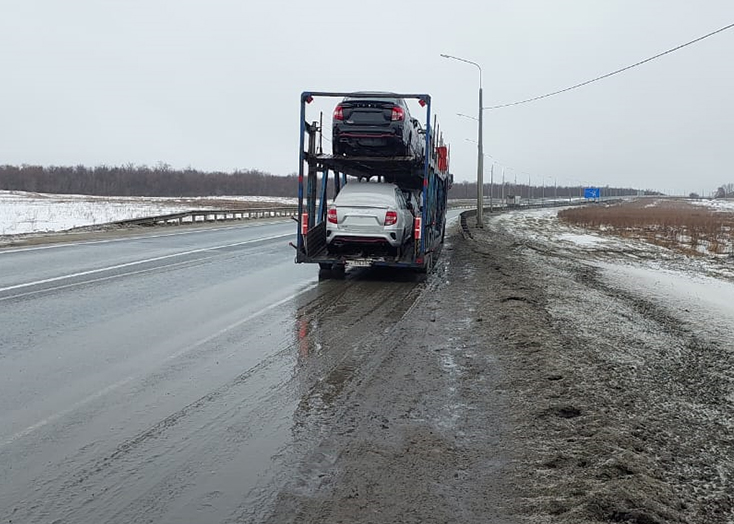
x: 376, y: 124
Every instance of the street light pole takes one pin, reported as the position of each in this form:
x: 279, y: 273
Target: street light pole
x: 480, y: 150
x: 480, y: 161
x: 529, y: 191
x: 502, y: 202
x: 542, y: 197
x: 491, y: 188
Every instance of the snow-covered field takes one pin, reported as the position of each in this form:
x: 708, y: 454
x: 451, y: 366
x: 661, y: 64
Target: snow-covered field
x: 704, y: 285
x: 22, y: 212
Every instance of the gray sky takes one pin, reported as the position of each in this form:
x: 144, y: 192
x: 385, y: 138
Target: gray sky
x: 215, y: 84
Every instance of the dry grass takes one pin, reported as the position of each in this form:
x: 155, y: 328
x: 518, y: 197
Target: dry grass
x: 675, y: 224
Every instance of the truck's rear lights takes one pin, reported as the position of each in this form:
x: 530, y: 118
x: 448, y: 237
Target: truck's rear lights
x: 338, y: 113
x: 391, y: 218
x: 331, y: 215
x: 304, y: 223
x: 417, y: 228
x: 397, y: 114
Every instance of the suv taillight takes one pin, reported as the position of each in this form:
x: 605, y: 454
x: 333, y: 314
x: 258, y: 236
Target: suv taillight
x: 391, y: 218
x: 397, y: 113
x: 339, y: 113
x: 331, y: 215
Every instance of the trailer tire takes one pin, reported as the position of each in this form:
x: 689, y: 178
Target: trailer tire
x: 425, y: 270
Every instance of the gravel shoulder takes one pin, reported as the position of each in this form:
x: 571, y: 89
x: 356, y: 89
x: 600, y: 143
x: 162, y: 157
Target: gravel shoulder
x: 524, y: 385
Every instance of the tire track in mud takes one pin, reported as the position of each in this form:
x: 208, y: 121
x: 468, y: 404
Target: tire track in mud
x: 340, y: 333
x: 412, y: 438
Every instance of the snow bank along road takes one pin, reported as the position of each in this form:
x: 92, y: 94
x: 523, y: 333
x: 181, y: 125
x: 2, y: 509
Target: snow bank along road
x: 198, y: 375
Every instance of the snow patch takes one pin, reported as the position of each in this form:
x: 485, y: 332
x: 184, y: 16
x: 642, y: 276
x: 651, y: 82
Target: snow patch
x: 705, y: 299
x: 719, y: 204
x: 582, y: 240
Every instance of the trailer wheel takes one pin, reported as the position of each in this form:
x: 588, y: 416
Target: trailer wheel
x: 425, y: 270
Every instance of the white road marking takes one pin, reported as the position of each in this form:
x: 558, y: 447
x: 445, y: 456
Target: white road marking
x: 100, y: 279
x: 142, y: 237
x: 138, y: 262
x: 112, y: 387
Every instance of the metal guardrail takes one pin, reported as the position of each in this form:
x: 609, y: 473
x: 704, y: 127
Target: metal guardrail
x: 211, y: 215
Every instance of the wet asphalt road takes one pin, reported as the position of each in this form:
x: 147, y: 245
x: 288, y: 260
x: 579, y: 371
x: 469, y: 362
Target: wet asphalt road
x: 155, y: 378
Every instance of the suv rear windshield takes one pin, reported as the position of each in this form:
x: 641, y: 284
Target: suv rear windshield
x: 395, y: 101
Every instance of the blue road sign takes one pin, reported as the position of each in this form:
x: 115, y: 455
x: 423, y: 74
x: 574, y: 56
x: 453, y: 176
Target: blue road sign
x: 592, y: 192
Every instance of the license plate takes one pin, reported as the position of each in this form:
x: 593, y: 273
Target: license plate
x: 372, y: 142
x: 359, y: 263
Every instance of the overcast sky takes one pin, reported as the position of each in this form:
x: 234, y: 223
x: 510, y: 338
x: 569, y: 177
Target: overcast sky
x: 215, y: 84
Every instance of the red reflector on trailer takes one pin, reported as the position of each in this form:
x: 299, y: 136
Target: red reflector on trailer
x: 309, y: 99
x: 304, y: 223
x: 417, y: 228
x: 443, y: 158
x: 422, y: 102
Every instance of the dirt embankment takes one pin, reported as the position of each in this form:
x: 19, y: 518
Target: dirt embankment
x: 523, y: 387
x: 620, y: 411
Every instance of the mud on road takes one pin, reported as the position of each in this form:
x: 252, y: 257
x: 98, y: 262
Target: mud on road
x: 522, y: 386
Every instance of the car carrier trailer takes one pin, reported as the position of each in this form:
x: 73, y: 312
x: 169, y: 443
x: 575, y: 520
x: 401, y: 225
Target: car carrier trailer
x: 428, y: 176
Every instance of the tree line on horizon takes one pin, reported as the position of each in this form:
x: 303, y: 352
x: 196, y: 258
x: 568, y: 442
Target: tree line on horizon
x: 163, y: 181
x: 140, y: 180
